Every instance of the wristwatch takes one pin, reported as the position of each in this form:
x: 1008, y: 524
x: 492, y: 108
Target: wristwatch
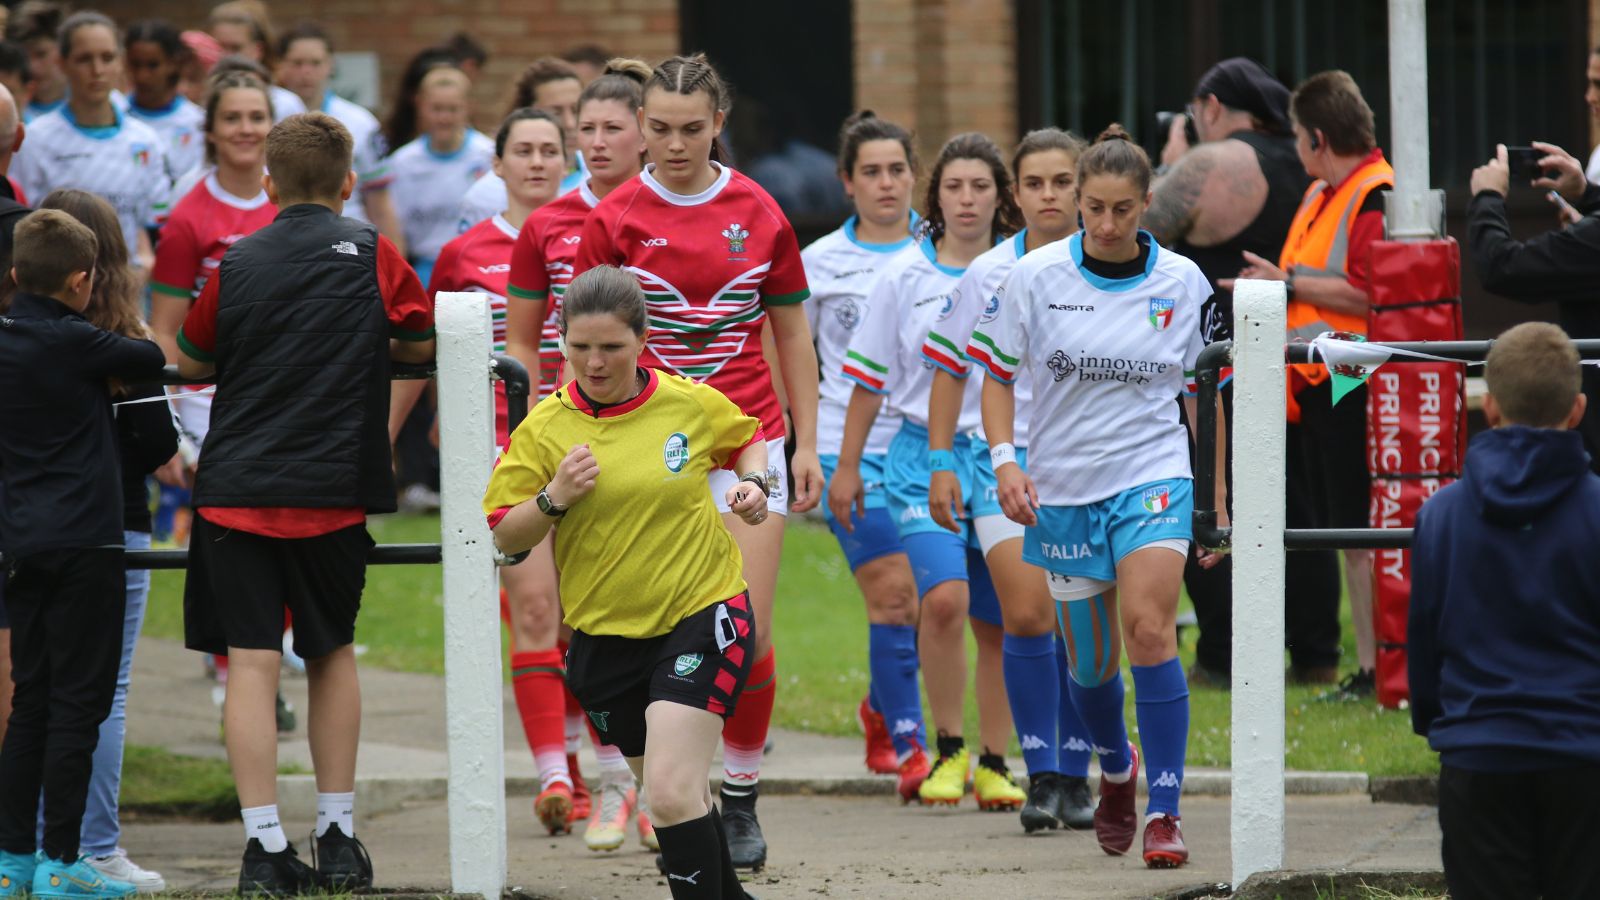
x: 548, y: 506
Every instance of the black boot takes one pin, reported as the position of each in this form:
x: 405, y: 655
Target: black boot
x: 1077, y: 802
x: 280, y: 874
x: 1045, y: 796
x: 746, y: 845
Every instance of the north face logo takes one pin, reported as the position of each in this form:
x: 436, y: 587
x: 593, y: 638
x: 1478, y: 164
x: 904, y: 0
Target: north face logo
x: 1033, y: 742
x: 346, y: 247
x: 1166, y: 780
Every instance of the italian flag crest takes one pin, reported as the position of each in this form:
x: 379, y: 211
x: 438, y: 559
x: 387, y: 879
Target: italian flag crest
x: 1161, y: 312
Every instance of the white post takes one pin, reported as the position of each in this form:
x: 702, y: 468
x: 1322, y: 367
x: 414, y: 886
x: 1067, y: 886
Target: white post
x: 1259, y: 322
x: 1414, y: 210
x: 477, y: 806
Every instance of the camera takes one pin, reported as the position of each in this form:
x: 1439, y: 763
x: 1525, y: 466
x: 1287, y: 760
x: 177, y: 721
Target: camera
x: 1164, y: 126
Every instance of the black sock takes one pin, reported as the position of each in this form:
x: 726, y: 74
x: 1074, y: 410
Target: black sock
x: 731, y: 889
x: 992, y: 761
x: 949, y: 745
x: 693, y: 852
x: 743, y: 795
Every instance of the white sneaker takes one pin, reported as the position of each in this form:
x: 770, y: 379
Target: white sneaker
x: 118, y: 867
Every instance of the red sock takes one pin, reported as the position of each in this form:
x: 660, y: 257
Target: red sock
x: 744, y: 734
x: 536, y: 679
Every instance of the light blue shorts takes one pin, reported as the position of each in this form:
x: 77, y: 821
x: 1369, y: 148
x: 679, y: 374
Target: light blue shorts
x: 906, y: 478
x: 986, y: 487
x: 1088, y: 541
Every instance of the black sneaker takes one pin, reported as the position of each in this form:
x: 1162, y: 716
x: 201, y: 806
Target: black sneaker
x: 341, y: 860
x: 746, y: 846
x: 1359, y: 685
x: 1077, y: 802
x: 280, y: 874
x: 1043, y: 809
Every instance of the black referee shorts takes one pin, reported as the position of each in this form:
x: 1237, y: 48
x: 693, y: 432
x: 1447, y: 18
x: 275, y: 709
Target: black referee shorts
x: 703, y: 663
x: 239, y: 585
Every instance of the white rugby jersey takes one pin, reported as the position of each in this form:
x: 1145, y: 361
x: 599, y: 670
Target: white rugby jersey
x: 946, y: 346
x: 487, y: 196
x: 1108, y: 359
x: 123, y: 163
x: 428, y: 186
x: 368, y: 158
x: 911, y: 295
x: 182, y: 125
x: 285, y: 103
x: 840, y: 269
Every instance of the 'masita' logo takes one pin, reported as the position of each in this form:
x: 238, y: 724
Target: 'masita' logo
x: 1156, y: 499
x: 686, y: 663
x: 676, y: 452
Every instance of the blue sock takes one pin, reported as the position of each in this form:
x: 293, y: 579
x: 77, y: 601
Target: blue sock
x: 1072, y: 754
x: 1161, y: 699
x: 1101, y: 709
x: 872, y: 693
x: 892, y: 657
x: 1034, y: 690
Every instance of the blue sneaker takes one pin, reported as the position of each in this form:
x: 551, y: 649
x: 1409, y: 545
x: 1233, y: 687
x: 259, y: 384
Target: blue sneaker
x: 16, y: 873
x: 76, y: 880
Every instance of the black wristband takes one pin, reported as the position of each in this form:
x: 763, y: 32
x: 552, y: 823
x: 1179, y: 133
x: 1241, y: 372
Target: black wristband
x: 759, y: 481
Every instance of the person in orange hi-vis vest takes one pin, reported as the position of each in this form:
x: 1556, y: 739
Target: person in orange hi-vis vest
x: 1324, y: 265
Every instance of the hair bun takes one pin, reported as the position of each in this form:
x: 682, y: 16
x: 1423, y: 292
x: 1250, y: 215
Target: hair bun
x: 1114, y: 132
x: 634, y: 69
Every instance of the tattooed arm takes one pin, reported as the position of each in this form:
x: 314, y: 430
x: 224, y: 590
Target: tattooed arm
x: 1209, y: 196
x: 1172, y: 209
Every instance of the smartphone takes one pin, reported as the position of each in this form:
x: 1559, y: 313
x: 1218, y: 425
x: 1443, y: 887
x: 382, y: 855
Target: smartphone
x: 1524, y: 163
x: 1561, y: 201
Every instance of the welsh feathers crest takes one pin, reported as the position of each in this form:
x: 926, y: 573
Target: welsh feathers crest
x: 736, y: 235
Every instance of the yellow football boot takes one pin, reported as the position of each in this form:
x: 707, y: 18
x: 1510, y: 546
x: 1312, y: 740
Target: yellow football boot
x: 947, y: 782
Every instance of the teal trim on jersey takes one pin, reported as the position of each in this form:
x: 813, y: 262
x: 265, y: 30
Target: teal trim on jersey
x: 1113, y: 285
x: 35, y: 110
x: 1019, y: 243
x: 571, y: 180
x: 849, y: 229
x: 466, y: 141
x: 932, y: 253
x: 145, y: 112
x: 327, y: 100
x: 97, y: 132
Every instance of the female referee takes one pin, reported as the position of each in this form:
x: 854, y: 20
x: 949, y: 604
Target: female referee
x: 969, y: 205
x: 1107, y: 323
x: 1054, y: 746
x: 718, y: 261
x: 663, y: 628
x: 878, y: 167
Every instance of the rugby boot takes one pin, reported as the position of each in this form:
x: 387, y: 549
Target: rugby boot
x: 881, y: 757
x: 995, y: 788
x: 280, y: 874
x: 553, y: 806
x: 1115, y: 819
x: 341, y: 860
x: 1046, y: 794
x: 647, y: 832
x: 912, y: 773
x: 1163, y: 843
x: 947, y: 780
x: 746, y: 845
x: 608, y: 824
x: 581, y: 799
x: 1077, y: 802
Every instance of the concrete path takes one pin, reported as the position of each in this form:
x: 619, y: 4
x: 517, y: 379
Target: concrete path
x: 834, y: 829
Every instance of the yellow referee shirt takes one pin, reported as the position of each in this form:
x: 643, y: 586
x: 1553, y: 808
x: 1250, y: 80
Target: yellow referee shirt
x: 646, y: 548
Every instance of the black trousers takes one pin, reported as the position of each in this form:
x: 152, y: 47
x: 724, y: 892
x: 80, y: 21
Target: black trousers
x: 66, y: 609
x: 1515, y: 835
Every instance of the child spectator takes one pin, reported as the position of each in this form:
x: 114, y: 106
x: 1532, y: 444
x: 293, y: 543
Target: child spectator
x: 61, y: 533
x: 1505, y: 635
x: 298, y: 324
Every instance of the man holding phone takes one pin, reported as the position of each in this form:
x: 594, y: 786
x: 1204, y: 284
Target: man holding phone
x: 1561, y: 265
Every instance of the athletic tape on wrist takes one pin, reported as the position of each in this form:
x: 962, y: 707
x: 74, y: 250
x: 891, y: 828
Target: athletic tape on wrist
x: 1000, y: 454
x: 941, y: 461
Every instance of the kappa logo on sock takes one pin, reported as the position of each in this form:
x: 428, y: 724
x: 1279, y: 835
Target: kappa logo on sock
x: 1101, y: 751
x: 1033, y: 742
x: 599, y: 719
x: 1077, y: 745
x: 673, y: 876
x: 906, y: 726
x: 1167, y: 780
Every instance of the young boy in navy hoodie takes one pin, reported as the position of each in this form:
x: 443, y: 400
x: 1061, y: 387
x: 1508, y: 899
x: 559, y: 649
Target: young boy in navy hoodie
x: 61, y: 534
x: 1504, y: 653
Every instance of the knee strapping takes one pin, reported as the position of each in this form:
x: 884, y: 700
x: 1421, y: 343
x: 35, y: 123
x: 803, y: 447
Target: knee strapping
x: 1086, y: 625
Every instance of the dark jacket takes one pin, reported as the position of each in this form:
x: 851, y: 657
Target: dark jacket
x: 11, y: 212
x: 59, y: 463
x: 1504, y: 642
x: 147, y: 438
x: 301, y: 413
x: 1561, y: 265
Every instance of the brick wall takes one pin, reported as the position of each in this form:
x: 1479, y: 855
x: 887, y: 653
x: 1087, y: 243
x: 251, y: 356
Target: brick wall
x: 397, y: 29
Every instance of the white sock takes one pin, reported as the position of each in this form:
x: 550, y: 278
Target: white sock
x: 1118, y: 777
x: 261, y: 823
x: 552, y: 768
x: 612, y: 761
x: 573, y: 732
x: 336, y: 809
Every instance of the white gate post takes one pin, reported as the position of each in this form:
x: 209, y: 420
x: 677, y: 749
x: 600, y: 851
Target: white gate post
x: 1259, y: 322
x: 1414, y: 211
x: 477, y: 806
